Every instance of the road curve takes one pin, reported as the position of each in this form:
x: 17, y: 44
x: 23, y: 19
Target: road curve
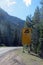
x: 6, y: 49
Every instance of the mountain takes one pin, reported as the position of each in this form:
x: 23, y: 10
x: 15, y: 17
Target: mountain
x: 12, y: 19
x: 10, y: 28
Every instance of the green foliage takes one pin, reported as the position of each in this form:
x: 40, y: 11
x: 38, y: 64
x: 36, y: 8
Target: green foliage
x: 35, y: 32
x: 28, y: 22
x: 36, y: 17
x: 41, y: 11
x: 38, y: 25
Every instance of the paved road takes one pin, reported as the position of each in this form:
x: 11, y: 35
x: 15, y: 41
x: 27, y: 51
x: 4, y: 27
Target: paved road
x: 16, y: 57
x: 6, y: 49
x: 10, y: 57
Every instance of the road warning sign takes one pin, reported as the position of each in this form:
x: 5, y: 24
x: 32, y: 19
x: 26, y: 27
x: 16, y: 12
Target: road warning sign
x: 26, y: 36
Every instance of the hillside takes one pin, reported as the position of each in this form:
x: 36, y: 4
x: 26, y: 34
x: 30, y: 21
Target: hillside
x: 10, y: 29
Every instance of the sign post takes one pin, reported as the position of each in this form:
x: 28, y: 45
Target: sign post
x: 26, y: 37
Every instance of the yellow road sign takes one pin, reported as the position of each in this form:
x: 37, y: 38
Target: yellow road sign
x: 26, y: 36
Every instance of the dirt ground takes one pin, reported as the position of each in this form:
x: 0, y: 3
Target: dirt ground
x: 17, y: 57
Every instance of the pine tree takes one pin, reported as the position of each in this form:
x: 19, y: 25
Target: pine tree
x: 28, y: 22
x: 41, y: 29
x: 41, y: 11
x: 36, y: 20
x: 36, y: 17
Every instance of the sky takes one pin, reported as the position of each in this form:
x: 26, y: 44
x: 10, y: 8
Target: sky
x: 20, y: 8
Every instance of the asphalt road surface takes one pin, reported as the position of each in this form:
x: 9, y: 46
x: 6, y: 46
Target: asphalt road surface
x: 14, y: 56
x: 6, y: 49
x: 9, y: 57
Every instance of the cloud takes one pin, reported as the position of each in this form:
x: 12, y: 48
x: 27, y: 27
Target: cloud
x: 27, y: 2
x: 7, y: 3
x: 10, y: 3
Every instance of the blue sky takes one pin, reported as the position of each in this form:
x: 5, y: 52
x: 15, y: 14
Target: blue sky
x: 19, y: 8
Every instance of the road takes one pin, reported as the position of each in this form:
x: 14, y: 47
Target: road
x: 6, y: 49
x: 14, y: 56
x: 9, y: 57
